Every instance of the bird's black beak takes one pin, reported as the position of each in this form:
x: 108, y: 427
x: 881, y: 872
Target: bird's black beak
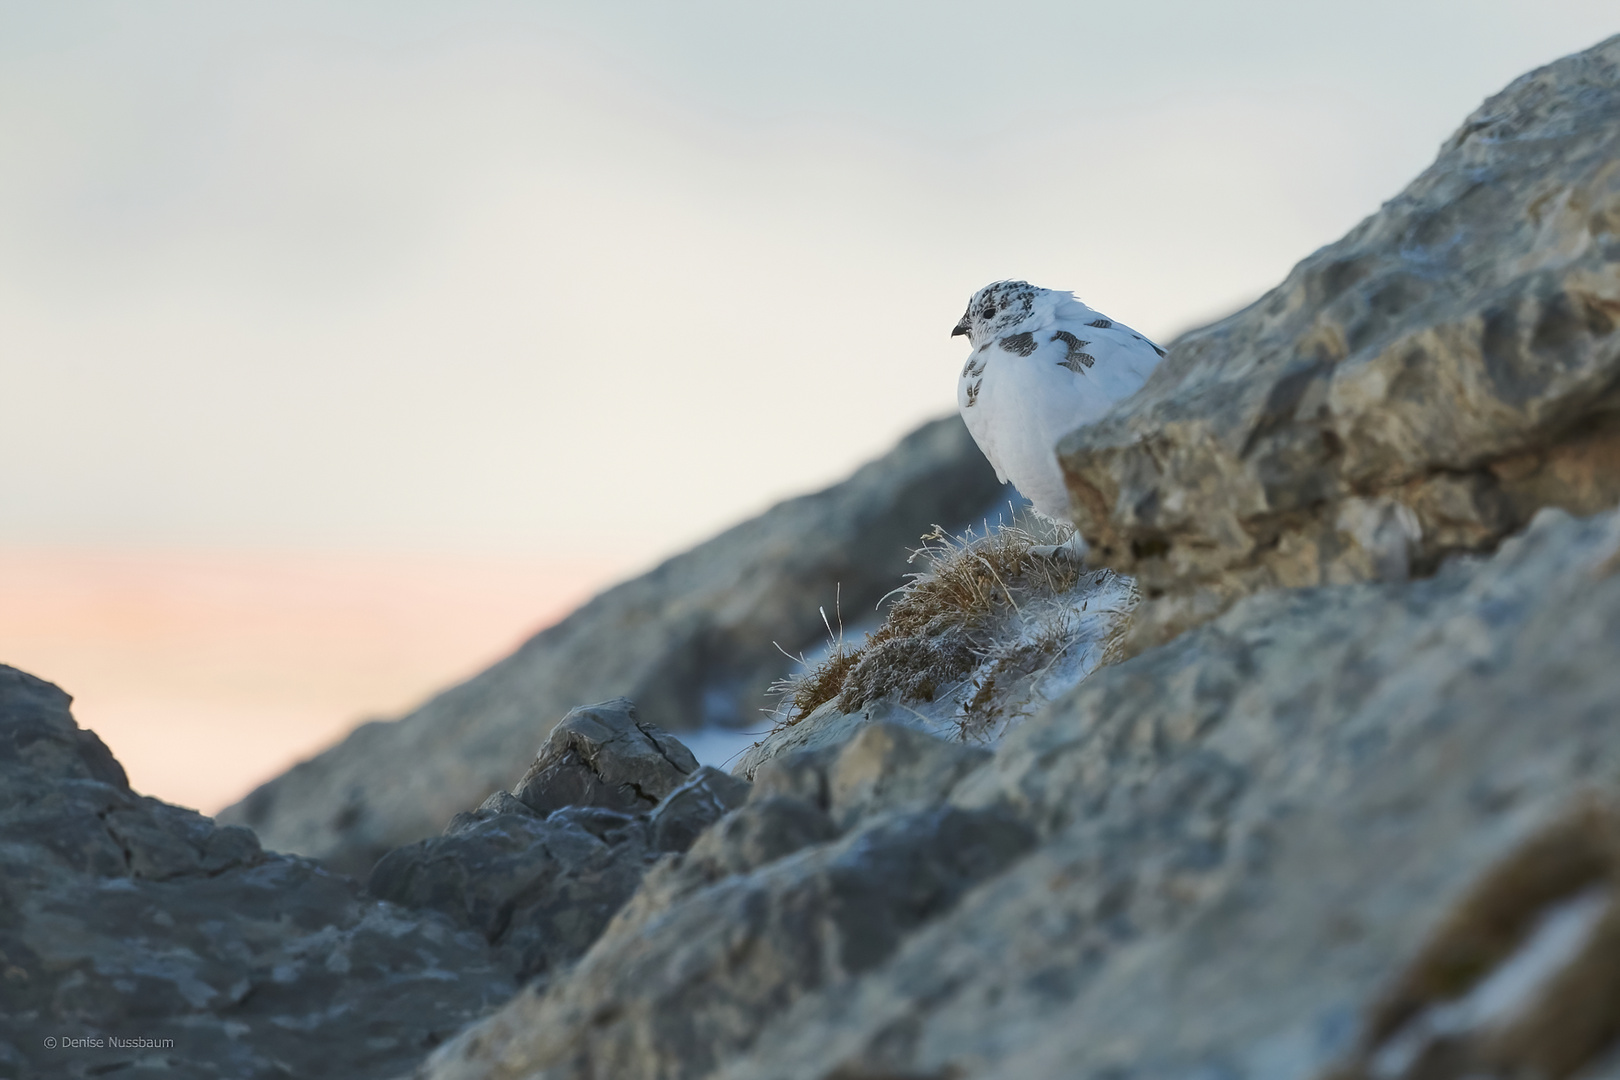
x: 961, y: 328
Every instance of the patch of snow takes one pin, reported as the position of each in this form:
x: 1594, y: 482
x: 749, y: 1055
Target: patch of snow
x: 721, y: 746
x: 1560, y: 933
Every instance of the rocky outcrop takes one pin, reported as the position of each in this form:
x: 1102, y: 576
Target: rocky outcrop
x: 604, y: 755
x: 128, y: 919
x: 538, y: 872
x: 693, y: 642
x: 680, y: 994
x: 1356, y: 819
x: 1419, y: 388
x: 1252, y: 850
x: 123, y: 918
x: 1349, y: 811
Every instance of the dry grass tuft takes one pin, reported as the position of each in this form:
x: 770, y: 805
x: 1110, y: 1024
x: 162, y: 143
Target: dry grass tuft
x: 947, y: 620
x: 806, y: 692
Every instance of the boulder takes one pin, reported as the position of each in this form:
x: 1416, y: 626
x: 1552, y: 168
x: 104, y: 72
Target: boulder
x: 690, y: 809
x: 858, y: 764
x: 603, y: 755
x: 888, y: 765
x: 762, y: 831
x: 128, y: 919
x: 539, y: 872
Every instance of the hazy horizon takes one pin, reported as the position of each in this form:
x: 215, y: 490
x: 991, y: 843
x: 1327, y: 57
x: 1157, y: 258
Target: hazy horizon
x: 576, y: 285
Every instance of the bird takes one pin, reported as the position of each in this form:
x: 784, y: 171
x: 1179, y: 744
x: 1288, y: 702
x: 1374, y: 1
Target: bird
x: 1043, y: 363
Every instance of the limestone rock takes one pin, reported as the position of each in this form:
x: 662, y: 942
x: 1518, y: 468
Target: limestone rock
x: 675, y: 997
x: 825, y: 916
x: 798, y: 774
x: 125, y: 917
x: 1252, y: 839
x: 856, y: 764
x: 694, y: 806
x: 888, y: 765
x: 804, y: 799
x: 1251, y: 845
x: 761, y: 832
x: 539, y: 873
x: 691, y: 642
x: 539, y: 890
x: 827, y: 731
x: 1420, y: 387
x: 603, y: 755
x: 868, y: 763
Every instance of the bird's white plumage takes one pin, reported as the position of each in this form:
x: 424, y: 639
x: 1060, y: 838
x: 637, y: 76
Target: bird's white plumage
x: 1043, y: 364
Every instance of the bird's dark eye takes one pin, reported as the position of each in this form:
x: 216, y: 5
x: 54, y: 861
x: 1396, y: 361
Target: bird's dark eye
x: 989, y: 312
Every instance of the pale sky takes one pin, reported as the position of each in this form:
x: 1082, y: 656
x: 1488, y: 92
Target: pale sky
x: 586, y: 277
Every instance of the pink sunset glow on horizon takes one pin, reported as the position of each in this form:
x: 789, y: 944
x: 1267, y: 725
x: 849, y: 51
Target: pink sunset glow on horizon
x: 210, y: 672
x: 497, y: 277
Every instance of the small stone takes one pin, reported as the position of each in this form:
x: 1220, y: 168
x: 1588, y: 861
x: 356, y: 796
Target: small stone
x: 604, y: 755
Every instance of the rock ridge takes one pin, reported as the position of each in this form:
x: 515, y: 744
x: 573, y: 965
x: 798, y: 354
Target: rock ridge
x: 1418, y: 388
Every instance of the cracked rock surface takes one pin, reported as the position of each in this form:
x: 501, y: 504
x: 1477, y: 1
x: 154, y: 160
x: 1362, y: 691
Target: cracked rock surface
x: 1255, y: 843
x: 1418, y: 388
x: 124, y: 917
x: 1258, y: 851
x: 539, y: 872
x: 1351, y: 810
x: 603, y: 755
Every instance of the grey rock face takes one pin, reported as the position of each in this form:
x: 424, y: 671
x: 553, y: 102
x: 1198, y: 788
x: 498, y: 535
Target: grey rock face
x: 1362, y: 827
x: 674, y: 996
x: 121, y: 916
x: 865, y: 763
x: 889, y: 765
x: 539, y: 890
x: 691, y: 642
x: 1418, y: 388
x: 540, y: 872
x: 761, y: 832
x: 826, y: 731
x: 602, y: 755
x: 694, y: 806
x: 767, y: 875
x: 803, y: 799
x: 1253, y: 836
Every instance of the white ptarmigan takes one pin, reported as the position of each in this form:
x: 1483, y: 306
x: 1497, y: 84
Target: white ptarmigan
x: 1043, y: 364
